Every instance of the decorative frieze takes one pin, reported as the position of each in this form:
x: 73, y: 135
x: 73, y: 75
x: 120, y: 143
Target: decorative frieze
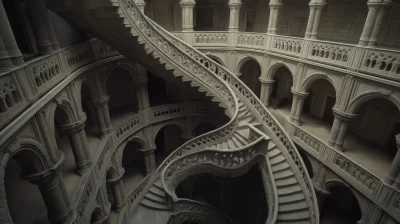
x: 129, y: 125
x: 9, y: 94
x: 331, y: 53
x: 287, y: 45
x: 46, y: 70
x: 309, y: 140
x: 381, y: 62
x: 359, y: 174
x: 78, y: 56
x: 251, y: 39
x: 166, y: 110
x: 211, y: 38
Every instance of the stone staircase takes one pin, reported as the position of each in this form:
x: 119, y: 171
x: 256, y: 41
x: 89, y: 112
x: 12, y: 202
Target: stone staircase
x: 120, y: 24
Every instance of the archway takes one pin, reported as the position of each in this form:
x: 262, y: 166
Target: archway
x: 203, y: 128
x: 123, y: 99
x: 245, y: 203
x: 65, y: 143
x: 281, y: 95
x: 133, y: 164
x: 162, y: 92
x: 341, y: 206
x: 371, y: 134
x: 250, y: 73
x: 25, y: 202
x: 167, y: 140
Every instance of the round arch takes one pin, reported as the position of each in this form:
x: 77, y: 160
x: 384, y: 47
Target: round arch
x: 281, y: 94
x: 275, y: 67
x: 362, y: 98
x: 129, y: 67
x: 243, y: 61
x: 306, y: 84
x: 172, y: 123
x: 216, y: 58
x: 250, y: 72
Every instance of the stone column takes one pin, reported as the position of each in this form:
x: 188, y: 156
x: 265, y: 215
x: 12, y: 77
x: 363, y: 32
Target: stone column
x: 297, y: 106
x: 266, y: 89
x: 140, y: 4
x: 310, y: 23
x: 45, y: 37
x: 378, y: 24
x: 77, y: 137
x: 187, y: 14
x: 149, y: 159
x: 317, y: 19
x: 103, y: 115
x: 141, y: 89
x: 274, y: 7
x: 234, y: 6
x: 54, y: 193
x: 117, y: 188
x: 373, y: 6
x: 393, y: 176
x: 339, y: 128
x: 10, y: 55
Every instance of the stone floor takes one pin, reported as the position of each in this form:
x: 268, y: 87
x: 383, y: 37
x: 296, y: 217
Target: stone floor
x: 368, y: 155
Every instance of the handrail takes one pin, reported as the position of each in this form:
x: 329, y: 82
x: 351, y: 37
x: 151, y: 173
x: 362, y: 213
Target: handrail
x: 199, y: 69
x: 269, y: 120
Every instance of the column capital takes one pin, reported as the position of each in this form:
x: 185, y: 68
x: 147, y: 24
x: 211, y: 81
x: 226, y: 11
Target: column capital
x: 235, y: 3
x: 102, y: 100
x: 343, y: 116
x: 378, y: 3
x: 117, y: 179
x: 149, y: 150
x: 187, y: 3
x: 48, y: 174
x: 75, y: 127
x: 299, y: 94
x: 266, y: 81
x: 317, y: 3
x: 275, y: 3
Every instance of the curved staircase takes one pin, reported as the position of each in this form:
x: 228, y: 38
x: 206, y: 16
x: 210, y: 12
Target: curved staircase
x: 121, y: 24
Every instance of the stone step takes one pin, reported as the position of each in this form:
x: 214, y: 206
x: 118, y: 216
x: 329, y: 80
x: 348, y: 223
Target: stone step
x: 283, y: 191
x: 292, y: 198
x: 156, y: 199
x: 287, y: 181
x: 296, y: 206
x: 280, y: 166
x: 154, y: 205
x: 277, y: 159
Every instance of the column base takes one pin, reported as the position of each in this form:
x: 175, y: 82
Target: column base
x: 339, y: 147
x: 83, y: 167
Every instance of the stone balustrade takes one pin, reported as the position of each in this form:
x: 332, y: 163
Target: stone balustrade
x: 369, y: 184
x: 354, y: 58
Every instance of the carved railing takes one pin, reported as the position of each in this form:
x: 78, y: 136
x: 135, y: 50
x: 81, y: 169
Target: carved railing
x: 252, y: 40
x: 382, y: 62
x: 184, y: 166
x: 211, y: 38
x: 167, y: 111
x: 331, y: 53
x: 200, y: 71
x: 287, y: 45
x: 189, y: 210
x: 258, y: 108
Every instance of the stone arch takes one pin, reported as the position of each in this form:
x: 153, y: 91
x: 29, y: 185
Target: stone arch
x: 32, y: 158
x: 216, y: 58
x: 306, y: 84
x: 136, y: 139
x: 252, y: 68
x: 172, y: 123
x: 125, y: 65
x: 275, y: 67
x: 246, y: 59
x: 360, y: 99
x: 97, y: 215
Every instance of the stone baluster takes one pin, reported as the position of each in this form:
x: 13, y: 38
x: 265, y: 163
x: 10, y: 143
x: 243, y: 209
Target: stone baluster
x: 10, y: 55
x: 297, y: 106
x: 187, y: 14
x: 44, y: 32
x: 393, y: 176
x: 149, y: 159
x: 339, y: 128
x: 77, y: 137
x: 378, y: 23
x: 103, y: 115
x: 274, y: 7
x: 140, y: 4
x: 266, y: 89
x: 373, y: 9
x: 117, y: 189
x: 234, y: 6
x: 54, y: 193
x: 317, y: 18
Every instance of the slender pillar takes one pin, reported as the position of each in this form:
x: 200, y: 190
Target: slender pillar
x: 45, y: 37
x: 297, y: 106
x: 140, y: 4
x: 266, y: 89
x: 10, y: 55
x: 378, y: 24
x: 149, y: 160
x: 54, y: 193
x: 103, y: 115
x: 317, y: 20
x: 339, y: 128
x: 187, y: 14
x: 77, y: 137
x: 393, y: 176
x: 373, y: 8
x: 234, y: 6
x: 310, y: 22
x: 274, y: 7
x: 117, y: 189
x: 141, y: 89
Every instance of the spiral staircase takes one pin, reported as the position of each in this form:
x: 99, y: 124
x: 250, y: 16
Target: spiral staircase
x: 252, y: 134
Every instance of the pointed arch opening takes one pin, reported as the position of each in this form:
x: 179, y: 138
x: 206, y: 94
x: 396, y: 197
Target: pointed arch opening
x: 250, y: 73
